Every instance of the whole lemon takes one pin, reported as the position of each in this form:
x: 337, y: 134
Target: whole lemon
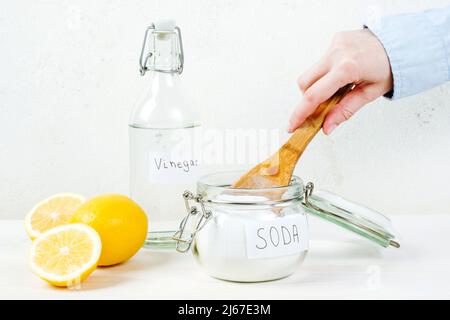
x: 120, y: 222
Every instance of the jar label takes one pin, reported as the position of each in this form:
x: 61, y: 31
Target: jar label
x: 279, y: 237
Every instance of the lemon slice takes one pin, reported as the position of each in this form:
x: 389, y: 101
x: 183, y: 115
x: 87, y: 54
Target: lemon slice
x: 65, y: 255
x: 51, y: 212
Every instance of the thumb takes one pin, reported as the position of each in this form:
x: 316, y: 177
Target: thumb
x: 348, y: 106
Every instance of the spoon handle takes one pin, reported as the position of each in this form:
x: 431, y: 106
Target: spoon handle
x: 304, y: 134
x: 276, y: 171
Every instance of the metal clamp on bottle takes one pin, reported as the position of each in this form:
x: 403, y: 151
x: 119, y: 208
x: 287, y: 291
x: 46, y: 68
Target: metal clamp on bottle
x: 183, y: 244
x: 162, y: 30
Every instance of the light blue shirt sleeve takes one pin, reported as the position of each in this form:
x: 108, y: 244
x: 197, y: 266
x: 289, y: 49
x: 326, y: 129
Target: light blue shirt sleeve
x: 418, y: 47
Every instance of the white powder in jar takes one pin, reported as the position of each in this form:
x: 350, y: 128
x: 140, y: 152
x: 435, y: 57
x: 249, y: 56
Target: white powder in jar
x: 221, y: 246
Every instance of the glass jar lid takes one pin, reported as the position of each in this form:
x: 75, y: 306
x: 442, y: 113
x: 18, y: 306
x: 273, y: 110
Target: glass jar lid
x: 357, y: 218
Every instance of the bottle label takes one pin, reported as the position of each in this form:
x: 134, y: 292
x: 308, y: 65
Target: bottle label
x: 169, y: 168
x: 279, y: 237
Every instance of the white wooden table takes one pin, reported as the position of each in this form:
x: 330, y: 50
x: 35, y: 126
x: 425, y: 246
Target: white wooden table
x: 339, y: 265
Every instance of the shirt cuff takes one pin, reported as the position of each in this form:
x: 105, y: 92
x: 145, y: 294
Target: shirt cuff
x: 416, y: 53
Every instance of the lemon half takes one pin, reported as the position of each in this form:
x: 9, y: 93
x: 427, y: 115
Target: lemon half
x: 51, y: 212
x: 66, y: 255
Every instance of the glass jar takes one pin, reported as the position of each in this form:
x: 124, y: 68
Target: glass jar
x: 252, y: 235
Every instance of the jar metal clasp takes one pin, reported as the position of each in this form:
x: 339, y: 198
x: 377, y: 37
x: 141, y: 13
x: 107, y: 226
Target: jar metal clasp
x: 183, y: 243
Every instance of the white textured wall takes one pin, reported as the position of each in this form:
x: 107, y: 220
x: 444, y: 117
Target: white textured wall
x: 68, y: 78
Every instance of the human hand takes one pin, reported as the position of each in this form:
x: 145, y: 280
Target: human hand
x: 354, y: 57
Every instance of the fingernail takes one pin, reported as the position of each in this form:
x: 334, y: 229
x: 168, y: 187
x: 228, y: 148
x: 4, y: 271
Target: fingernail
x: 331, y: 129
x: 289, y: 129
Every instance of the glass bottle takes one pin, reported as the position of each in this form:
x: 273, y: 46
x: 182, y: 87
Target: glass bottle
x: 162, y: 129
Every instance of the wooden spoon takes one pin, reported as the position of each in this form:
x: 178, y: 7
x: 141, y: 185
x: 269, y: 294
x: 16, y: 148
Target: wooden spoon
x: 277, y: 170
